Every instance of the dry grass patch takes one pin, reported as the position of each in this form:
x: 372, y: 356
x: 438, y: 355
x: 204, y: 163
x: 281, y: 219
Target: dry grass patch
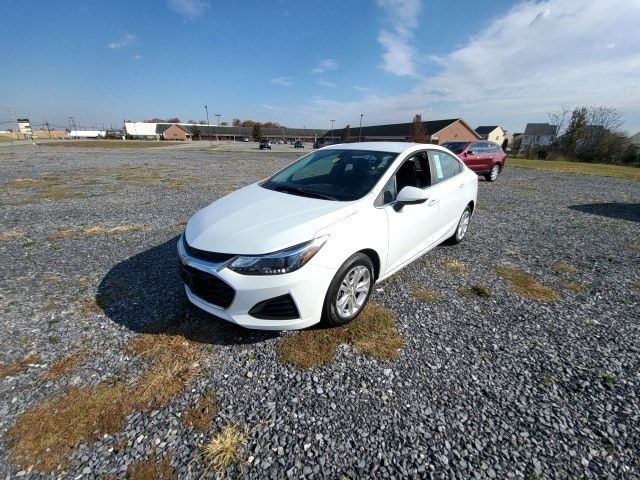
x: 201, y: 416
x: 152, y: 469
x: 10, y: 234
x: 45, y: 435
x: 425, y: 295
x: 455, y: 265
x: 64, y: 366
x: 636, y: 285
x: 563, y: 267
x: 573, y: 286
x: 225, y: 448
x: 633, y: 246
x: 95, y: 230
x: 475, y: 291
x: 18, y: 366
x: 172, y: 361
x: 523, y: 283
x: 372, y: 333
x: 89, y: 306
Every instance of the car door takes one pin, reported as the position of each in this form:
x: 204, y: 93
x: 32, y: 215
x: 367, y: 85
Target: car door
x: 410, y: 228
x: 448, y: 185
x: 472, y: 156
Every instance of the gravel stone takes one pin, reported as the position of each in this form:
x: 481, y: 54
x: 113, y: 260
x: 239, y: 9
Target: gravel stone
x: 485, y: 387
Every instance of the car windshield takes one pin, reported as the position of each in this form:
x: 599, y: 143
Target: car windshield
x: 333, y: 174
x: 455, y: 147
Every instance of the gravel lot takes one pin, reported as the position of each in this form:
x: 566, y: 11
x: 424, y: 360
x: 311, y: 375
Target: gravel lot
x: 498, y: 386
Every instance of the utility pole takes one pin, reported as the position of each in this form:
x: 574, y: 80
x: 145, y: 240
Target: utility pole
x: 332, y: 130
x: 208, y: 126
x: 360, y: 134
x: 48, y: 129
x: 217, y: 115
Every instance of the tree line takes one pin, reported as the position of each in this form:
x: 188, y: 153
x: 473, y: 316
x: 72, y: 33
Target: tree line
x: 591, y: 134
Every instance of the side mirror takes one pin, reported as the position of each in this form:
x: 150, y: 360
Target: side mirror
x: 469, y: 152
x: 410, y: 196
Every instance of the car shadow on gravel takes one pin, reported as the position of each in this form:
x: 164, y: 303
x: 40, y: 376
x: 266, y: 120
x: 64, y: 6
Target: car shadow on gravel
x: 145, y: 294
x: 622, y: 211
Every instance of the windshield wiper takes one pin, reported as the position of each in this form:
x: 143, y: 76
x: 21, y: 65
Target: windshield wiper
x: 303, y: 192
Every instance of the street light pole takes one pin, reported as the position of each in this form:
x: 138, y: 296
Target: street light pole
x: 217, y: 115
x: 208, y: 126
x: 332, y: 130
x: 360, y: 134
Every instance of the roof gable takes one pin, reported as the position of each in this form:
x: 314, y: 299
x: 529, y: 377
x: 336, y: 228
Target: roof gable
x: 485, y: 129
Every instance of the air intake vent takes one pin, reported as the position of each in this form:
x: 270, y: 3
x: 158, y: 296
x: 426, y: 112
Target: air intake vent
x: 208, y: 287
x: 278, y: 308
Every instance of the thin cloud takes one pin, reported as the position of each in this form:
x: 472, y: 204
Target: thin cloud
x: 326, y: 65
x: 551, y: 53
x: 361, y: 89
x: 189, y: 9
x: 126, y: 39
x: 282, y: 81
x: 327, y: 83
x: 402, y: 19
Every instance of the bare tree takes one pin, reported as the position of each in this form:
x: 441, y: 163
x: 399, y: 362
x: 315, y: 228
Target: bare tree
x: 560, y: 119
x: 417, y: 130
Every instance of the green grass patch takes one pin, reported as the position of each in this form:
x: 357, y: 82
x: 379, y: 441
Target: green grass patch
x: 599, y: 169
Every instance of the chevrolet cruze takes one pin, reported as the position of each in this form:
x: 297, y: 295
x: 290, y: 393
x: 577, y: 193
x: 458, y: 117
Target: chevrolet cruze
x: 309, y: 243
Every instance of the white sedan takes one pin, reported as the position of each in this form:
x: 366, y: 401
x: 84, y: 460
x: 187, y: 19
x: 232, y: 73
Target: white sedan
x: 309, y: 243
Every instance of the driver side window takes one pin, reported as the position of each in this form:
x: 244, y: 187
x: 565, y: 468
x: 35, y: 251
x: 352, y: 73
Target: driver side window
x: 414, y: 172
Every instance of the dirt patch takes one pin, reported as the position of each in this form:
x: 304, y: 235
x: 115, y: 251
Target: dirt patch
x: 523, y: 283
x: 18, y: 366
x: 633, y: 246
x: 372, y: 333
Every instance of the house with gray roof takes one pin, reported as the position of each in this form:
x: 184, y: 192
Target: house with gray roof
x: 537, y: 135
x: 493, y: 133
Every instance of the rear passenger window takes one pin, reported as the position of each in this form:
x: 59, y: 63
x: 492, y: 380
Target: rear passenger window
x: 444, y: 166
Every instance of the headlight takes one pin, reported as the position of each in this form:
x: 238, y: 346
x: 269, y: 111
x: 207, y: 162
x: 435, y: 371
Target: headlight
x: 277, y: 263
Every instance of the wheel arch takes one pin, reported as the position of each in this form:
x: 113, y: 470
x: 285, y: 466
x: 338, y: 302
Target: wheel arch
x: 375, y: 259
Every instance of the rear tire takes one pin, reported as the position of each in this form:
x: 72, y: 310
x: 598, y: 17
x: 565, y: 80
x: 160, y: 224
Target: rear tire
x: 349, y: 290
x: 461, y: 229
x: 493, y: 174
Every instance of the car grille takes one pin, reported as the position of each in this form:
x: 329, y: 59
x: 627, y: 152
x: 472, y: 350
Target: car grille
x: 213, y: 257
x: 278, y: 308
x: 206, y: 286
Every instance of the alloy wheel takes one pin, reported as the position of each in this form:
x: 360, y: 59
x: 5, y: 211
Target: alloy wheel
x: 353, y: 291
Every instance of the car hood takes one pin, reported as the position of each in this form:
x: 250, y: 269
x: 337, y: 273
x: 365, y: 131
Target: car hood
x: 256, y: 220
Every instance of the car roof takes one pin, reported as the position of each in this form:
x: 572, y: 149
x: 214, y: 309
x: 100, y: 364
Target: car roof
x: 392, y: 147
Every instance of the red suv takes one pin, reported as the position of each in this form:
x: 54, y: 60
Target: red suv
x: 484, y: 158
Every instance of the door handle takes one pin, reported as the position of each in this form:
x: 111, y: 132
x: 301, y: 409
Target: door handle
x: 431, y: 202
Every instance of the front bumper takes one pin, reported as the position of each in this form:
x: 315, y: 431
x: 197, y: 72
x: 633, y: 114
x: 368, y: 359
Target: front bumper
x: 306, y: 286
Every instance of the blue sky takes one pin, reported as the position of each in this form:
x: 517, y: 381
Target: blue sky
x: 299, y: 62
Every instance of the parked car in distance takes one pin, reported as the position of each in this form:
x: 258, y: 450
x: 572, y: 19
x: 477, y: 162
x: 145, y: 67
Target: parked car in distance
x: 265, y: 143
x: 245, y: 139
x: 309, y: 243
x: 298, y: 144
x: 484, y: 158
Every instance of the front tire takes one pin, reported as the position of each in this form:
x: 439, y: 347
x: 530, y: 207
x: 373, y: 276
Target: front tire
x: 349, y: 290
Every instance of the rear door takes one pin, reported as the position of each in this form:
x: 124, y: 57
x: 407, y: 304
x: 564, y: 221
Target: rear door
x: 449, y: 184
